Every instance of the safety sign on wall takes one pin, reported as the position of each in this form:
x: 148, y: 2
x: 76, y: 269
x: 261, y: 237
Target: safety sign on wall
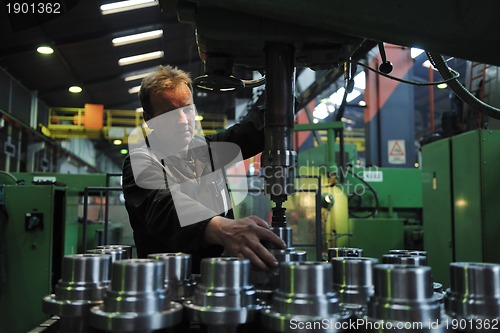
x: 397, y: 152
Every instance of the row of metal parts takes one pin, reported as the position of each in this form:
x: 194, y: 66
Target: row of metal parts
x: 349, y: 292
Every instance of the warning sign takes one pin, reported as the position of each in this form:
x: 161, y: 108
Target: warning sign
x: 397, y: 152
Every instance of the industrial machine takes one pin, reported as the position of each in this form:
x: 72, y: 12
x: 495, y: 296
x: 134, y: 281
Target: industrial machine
x: 41, y: 223
x: 460, y: 199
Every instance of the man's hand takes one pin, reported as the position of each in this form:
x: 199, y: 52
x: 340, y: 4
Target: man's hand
x: 242, y: 238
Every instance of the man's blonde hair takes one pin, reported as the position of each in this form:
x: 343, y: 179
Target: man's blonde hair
x: 164, y: 78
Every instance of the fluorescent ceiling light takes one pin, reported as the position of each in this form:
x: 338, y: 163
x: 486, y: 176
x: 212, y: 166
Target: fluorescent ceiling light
x: 138, y: 76
x: 75, y: 89
x: 427, y: 64
x: 320, y: 111
x: 119, y: 41
x: 122, y: 6
x: 360, y: 80
x: 117, y: 142
x: 353, y: 95
x: 134, y: 90
x: 442, y: 86
x: 45, y: 50
x: 140, y: 57
x: 415, y: 52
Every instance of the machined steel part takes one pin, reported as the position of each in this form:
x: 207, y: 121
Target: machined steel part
x: 335, y: 252
x: 224, y: 297
x: 305, y: 295
x: 127, y: 248
x: 84, y: 280
x: 178, y: 280
x: 267, y: 281
x: 285, y: 233
x: 136, y: 300
x: 404, y: 259
x: 116, y: 253
x: 404, y: 297
x: 409, y: 252
x: 353, y: 281
x: 474, y: 291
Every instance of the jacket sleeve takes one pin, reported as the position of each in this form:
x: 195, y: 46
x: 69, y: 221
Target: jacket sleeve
x: 154, y: 219
x: 247, y: 134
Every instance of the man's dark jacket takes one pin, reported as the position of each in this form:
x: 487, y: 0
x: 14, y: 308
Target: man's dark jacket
x: 152, y: 213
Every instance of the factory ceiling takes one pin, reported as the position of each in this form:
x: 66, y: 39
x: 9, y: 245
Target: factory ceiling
x: 84, y: 55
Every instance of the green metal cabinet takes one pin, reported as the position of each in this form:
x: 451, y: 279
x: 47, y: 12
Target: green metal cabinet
x: 460, y: 189
x: 33, y: 257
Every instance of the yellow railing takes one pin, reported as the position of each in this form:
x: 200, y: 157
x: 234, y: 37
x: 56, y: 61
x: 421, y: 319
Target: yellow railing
x: 65, y: 123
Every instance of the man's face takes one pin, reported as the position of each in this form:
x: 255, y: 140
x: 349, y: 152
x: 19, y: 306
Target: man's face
x: 174, y: 123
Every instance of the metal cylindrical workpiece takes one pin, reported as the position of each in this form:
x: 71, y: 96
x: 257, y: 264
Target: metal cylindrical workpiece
x: 223, y: 297
x: 115, y: 253
x: 404, y: 295
x: 83, y: 282
x: 305, y: 295
x: 127, y: 248
x: 267, y: 281
x: 335, y: 252
x: 474, y: 291
x: 178, y: 281
x: 409, y: 252
x: 285, y: 233
x: 353, y: 280
x: 404, y: 259
x: 136, y: 299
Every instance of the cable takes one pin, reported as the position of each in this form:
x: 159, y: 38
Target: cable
x: 453, y: 77
x: 459, y: 90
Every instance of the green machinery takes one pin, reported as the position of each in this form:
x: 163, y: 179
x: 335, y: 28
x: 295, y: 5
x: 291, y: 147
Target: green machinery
x: 460, y: 200
x: 384, y: 211
x: 40, y: 226
x: 376, y: 209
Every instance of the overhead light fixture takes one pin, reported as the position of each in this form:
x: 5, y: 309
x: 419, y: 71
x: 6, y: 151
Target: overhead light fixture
x: 442, y: 86
x: 353, y: 95
x: 124, y: 151
x: 134, y: 90
x: 139, y: 110
x: 315, y: 121
x: 125, y: 40
x: 137, y: 76
x: 123, y: 6
x: 45, y: 50
x: 117, y: 142
x: 415, y: 52
x: 360, y: 81
x: 362, y: 103
x: 321, y: 111
x: 140, y: 57
x: 75, y: 89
